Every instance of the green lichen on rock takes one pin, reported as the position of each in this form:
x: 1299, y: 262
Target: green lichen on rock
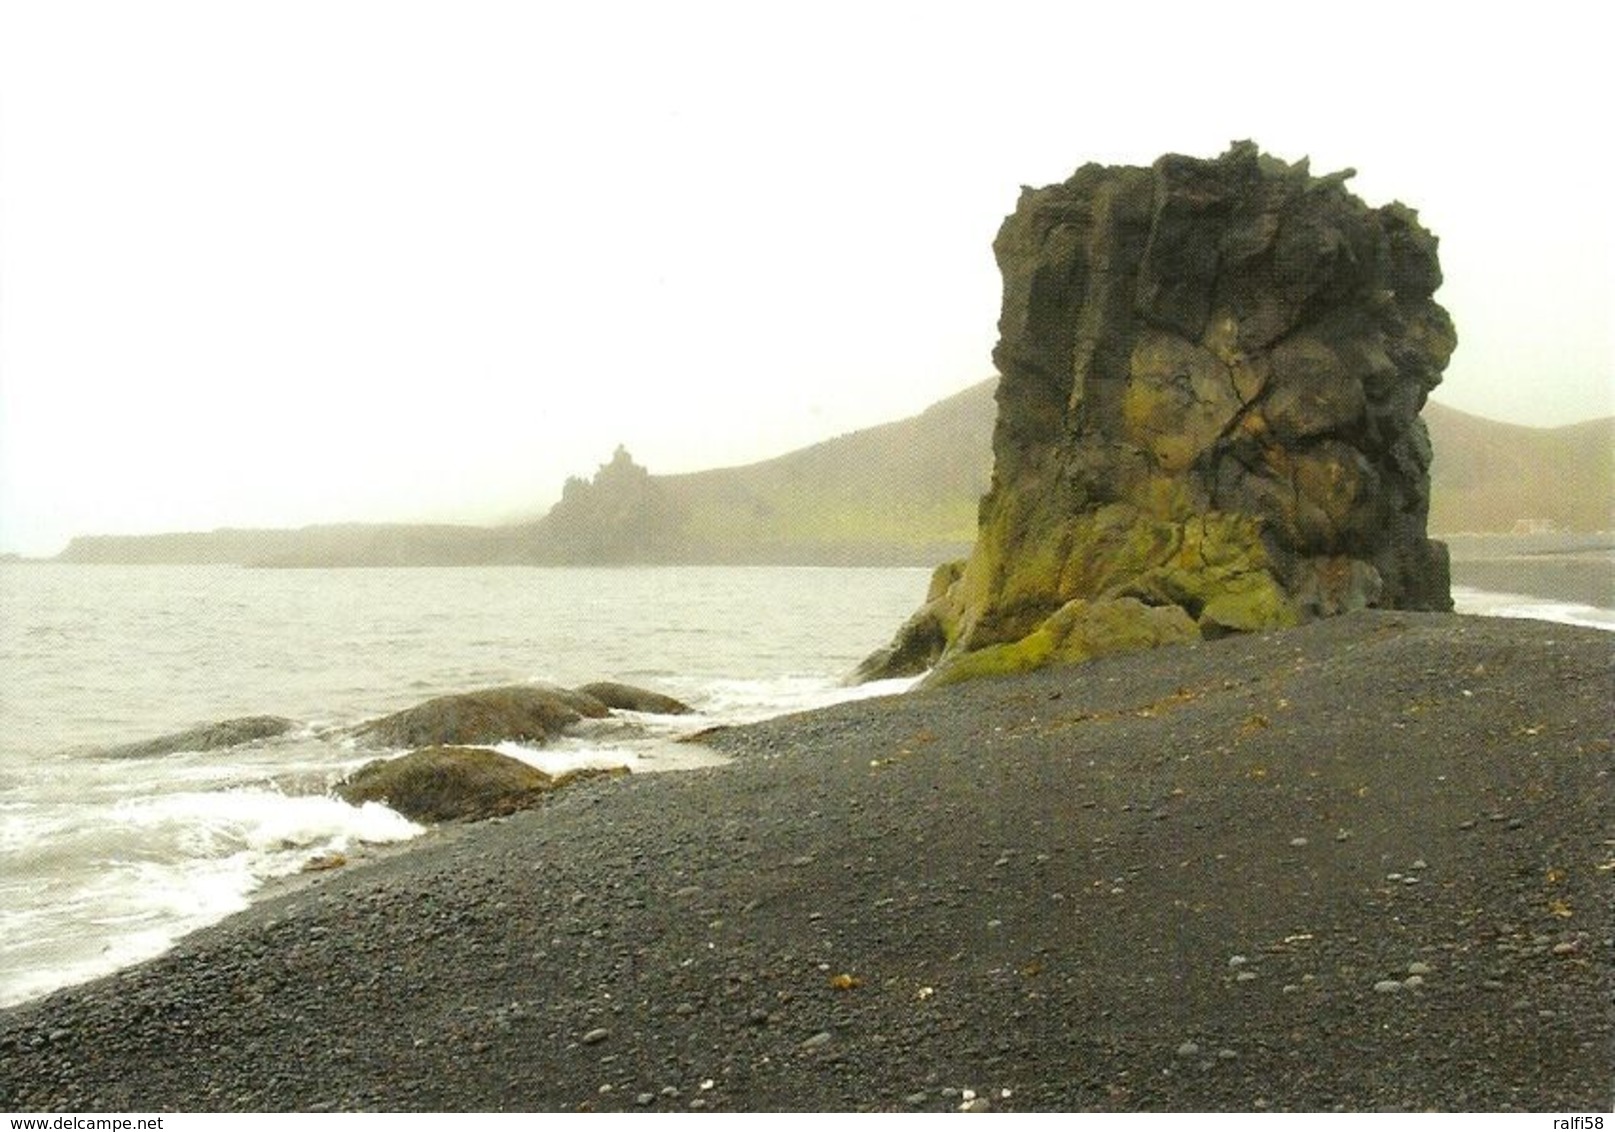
x: 1079, y: 630
x: 1032, y: 651
x: 1219, y: 572
x: 1208, y: 417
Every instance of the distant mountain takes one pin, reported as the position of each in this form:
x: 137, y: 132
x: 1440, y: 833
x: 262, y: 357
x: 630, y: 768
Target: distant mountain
x: 903, y: 493
x: 1494, y: 477
x: 900, y: 493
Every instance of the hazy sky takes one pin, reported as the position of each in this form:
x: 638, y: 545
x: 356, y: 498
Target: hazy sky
x: 285, y: 262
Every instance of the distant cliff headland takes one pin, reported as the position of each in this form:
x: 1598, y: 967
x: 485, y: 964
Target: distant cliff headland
x: 904, y: 493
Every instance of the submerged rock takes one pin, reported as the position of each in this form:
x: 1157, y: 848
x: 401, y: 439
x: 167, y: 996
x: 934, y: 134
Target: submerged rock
x: 210, y: 737
x: 455, y: 784
x: 625, y: 697
x: 1208, y: 417
x: 528, y: 713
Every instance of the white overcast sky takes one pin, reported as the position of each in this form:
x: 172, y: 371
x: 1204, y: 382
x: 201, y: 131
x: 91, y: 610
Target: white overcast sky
x: 286, y: 262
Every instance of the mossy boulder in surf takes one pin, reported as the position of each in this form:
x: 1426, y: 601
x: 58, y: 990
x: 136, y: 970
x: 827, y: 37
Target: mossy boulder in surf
x: 521, y: 713
x: 439, y: 784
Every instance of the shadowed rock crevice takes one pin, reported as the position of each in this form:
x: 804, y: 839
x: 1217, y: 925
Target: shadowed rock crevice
x: 1208, y: 419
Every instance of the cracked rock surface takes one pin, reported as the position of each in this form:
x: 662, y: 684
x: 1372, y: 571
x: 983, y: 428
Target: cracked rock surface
x: 1208, y: 417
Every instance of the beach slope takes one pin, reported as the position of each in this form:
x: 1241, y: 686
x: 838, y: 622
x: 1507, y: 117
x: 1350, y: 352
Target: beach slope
x: 1364, y: 864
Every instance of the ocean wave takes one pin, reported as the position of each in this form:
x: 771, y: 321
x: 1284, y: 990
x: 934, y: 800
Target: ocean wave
x: 1489, y: 603
x: 90, y: 890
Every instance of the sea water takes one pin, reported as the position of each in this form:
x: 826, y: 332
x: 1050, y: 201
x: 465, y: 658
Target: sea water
x: 106, y: 861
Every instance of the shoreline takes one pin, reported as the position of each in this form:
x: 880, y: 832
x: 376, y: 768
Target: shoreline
x: 1154, y: 882
x: 1550, y: 567
x: 1586, y: 580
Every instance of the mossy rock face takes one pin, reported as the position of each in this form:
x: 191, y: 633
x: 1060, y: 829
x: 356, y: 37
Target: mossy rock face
x: 1117, y: 579
x: 1080, y: 630
x: 1115, y: 546
x: 439, y: 784
x: 1218, y: 571
x: 1212, y: 375
x: 524, y: 713
x: 943, y: 579
x: 1084, y: 630
x: 1032, y: 651
x: 1250, y: 607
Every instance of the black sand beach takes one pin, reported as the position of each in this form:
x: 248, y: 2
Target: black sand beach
x: 1366, y: 864
x: 1575, y: 568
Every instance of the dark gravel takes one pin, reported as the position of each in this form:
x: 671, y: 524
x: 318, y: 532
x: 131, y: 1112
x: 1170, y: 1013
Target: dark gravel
x: 1181, y: 880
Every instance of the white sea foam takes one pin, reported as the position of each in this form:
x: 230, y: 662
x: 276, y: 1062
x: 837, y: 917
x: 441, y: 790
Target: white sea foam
x: 1486, y: 603
x: 645, y: 742
x: 90, y: 890
x: 748, y: 700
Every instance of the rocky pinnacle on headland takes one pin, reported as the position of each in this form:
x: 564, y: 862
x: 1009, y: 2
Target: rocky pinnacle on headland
x: 1208, y: 417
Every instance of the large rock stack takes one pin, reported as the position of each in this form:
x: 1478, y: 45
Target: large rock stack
x: 1208, y: 422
